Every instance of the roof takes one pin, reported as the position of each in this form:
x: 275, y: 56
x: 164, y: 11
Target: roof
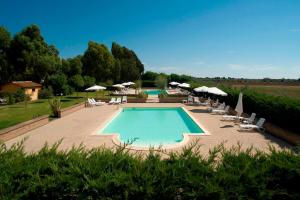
x: 26, y: 84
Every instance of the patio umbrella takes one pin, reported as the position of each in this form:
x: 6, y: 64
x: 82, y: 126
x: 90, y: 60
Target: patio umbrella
x: 128, y: 83
x: 184, y: 85
x: 174, y: 83
x: 239, y: 105
x: 118, y: 86
x: 216, y: 91
x: 95, y: 88
x: 201, y: 89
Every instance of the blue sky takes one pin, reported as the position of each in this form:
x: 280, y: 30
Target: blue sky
x: 236, y: 38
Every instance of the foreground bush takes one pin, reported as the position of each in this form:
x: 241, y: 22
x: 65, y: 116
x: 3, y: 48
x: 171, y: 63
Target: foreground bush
x: 106, y: 174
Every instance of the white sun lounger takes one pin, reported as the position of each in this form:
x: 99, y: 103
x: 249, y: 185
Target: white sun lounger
x: 249, y: 120
x: 118, y: 101
x: 124, y: 99
x: 221, y: 111
x: 97, y: 103
x: 259, y: 125
x: 196, y: 100
x: 112, y: 101
x: 190, y: 100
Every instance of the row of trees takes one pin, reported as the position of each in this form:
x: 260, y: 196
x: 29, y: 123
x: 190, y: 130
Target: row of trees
x: 27, y: 56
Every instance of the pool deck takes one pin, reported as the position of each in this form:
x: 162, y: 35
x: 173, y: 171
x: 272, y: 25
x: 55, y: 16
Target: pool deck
x: 81, y: 126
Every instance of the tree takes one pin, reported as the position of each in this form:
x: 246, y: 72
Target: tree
x: 150, y: 76
x: 5, y: 67
x: 76, y: 82
x: 89, y: 81
x: 117, y: 71
x: 161, y: 82
x: 131, y: 67
x: 31, y: 56
x: 98, y: 62
x: 59, y: 84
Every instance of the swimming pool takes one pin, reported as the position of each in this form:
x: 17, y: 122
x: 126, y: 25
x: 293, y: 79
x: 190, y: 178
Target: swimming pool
x: 152, y: 126
x: 153, y: 92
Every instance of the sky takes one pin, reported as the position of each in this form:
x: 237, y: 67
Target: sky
x: 203, y: 38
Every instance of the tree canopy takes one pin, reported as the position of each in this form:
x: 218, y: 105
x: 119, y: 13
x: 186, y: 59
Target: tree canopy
x: 27, y: 56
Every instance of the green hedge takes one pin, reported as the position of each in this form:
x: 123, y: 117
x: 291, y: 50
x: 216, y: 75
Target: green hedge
x: 106, y: 174
x: 281, y: 111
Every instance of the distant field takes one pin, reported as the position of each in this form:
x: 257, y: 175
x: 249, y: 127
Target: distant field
x: 277, y: 90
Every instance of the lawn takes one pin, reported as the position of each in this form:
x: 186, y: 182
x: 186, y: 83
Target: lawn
x: 277, y: 90
x: 17, y: 113
x: 13, y: 114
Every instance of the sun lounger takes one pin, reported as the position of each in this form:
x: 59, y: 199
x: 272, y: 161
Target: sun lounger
x: 205, y: 103
x: 259, y: 125
x: 112, y: 101
x: 97, y: 103
x: 196, y: 100
x: 249, y: 120
x: 231, y: 117
x: 220, y: 107
x: 190, y: 100
x: 118, y: 101
x: 124, y: 99
x: 221, y: 111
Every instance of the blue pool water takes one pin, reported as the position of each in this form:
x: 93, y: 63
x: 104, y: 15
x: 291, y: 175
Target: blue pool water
x: 153, y: 92
x: 152, y: 126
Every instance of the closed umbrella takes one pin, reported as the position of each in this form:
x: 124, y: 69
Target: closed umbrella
x: 239, y: 105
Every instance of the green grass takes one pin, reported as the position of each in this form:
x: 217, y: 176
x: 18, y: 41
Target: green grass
x: 13, y: 114
x: 276, y: 90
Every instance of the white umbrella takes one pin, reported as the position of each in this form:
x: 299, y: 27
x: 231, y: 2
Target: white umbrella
x: 95, y: 88
x: 217, y: 91
x: 201, y: 89
x: 118, y: 86
x: 174, y: 83
x: 239, y: 105
x: 128, y: 83
x: 184, y: 85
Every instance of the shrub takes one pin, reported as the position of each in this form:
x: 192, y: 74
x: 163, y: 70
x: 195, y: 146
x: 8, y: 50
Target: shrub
x: 162, y: 94
x: 19, y: 95
x: 142, y: 95
x: 11, y: 98
x: 116, y: 174
x: 161, y: 82
x: 55, y: 106
x: 46, y: 93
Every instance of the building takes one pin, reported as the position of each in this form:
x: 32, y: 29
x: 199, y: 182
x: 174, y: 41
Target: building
x: 30, y: 88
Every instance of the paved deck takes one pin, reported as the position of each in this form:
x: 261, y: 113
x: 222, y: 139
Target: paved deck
x: 78, y: 128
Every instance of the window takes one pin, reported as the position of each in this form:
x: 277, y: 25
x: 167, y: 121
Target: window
x: 33, y: 89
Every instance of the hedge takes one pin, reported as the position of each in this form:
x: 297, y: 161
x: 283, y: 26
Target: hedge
x: 116, y: 174
x: 281, y: 111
